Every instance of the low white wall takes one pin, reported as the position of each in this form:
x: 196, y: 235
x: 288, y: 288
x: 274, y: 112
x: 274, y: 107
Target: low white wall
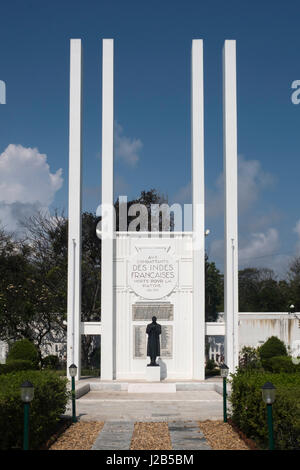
x: 256, y: 328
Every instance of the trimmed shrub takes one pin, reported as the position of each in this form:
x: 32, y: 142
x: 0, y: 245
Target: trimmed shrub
x: 49, y: 403
x: 51, y: 362
x: 249, y: 358
x: 272, y: 347
x: 24, y: 349
x: 15, y: 365
x: 249, y: 410
x: 279, y: 364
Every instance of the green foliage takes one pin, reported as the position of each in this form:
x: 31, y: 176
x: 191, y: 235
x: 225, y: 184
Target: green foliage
x: 50, y: 362
x: 15, y: 365
x: 90, y: 372
x: 271, y: 348
x: 260, y: 291
x: 49, y: 403
x: 211, y: 368
x: 24, y: 349
x: 214, y: 291
x: 281, y: 364
x: 249, y: 410
x: 210, y: 364
x: 249, y: 359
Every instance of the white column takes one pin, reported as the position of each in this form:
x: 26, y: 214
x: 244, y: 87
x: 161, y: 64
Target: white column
x: 74, y: 234
x: 107, y: 277
x: 231, y: 209
x: 198, y: 210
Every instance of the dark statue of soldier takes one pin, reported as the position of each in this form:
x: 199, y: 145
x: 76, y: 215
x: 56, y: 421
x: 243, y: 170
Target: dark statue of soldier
x: 153, y: 346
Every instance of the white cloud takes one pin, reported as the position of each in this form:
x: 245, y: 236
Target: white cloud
x: 256, y: 250
x: 126, y: 148
x: 252, y: 179
x: 26, y: 184
x: 259, y: 245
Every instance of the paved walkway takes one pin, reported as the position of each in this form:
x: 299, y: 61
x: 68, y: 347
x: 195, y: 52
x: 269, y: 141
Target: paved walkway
x: 123, y: 406
x: 119, y: 410
x: 185, y: 435
x: 114, y: 436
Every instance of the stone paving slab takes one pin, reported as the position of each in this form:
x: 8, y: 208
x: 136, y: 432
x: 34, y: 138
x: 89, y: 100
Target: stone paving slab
x: 114, y: 436
x: 187, y: 436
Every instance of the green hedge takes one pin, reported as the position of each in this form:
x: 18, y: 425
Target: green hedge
x: 279, y: 364
x: 15, y: 365
x: 50, y: 362
x: 23, y: 349
x: 249, y: 410
x: 49, y: 403
x: 271, y: 348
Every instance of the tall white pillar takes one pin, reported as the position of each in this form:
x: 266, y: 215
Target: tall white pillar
x: 231, y: 208
x: 198, y: 211
x: 74, y: 234
x: 107, y: 276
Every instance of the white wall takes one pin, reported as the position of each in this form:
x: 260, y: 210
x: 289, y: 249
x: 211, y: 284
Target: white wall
x: 256, y: 328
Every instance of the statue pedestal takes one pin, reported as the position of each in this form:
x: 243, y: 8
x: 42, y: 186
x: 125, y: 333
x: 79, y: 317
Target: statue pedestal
x: 153, y: 373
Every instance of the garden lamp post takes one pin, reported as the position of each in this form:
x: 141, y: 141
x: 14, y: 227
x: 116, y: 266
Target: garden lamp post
x: 292, y: 309
x: 268, y: 395
x: 73, y: 372
x: 27, y: 394
x: 224, y: 373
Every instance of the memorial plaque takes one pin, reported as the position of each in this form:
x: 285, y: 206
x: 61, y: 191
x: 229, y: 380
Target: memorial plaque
x: 146, y: 310
x: 152, y: 275
x: 166, y: 341
x: 140, y: 342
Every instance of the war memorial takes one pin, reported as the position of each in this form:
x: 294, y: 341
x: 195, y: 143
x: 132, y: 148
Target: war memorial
x: 149, y: 273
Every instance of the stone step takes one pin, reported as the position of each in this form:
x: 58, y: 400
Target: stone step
x: 84, y: 387
x: 124, y: 396
x: 152, y: 388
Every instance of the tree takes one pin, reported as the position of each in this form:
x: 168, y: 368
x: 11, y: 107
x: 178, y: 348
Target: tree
x: 294, y: 284
x: 214, y: 291
x: 147, y: 199
x: 260, y: 291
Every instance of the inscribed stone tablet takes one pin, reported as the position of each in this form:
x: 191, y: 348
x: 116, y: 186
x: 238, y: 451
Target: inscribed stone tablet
x: 152, y: 275
x: 146, y: 310
x: 140, y: 342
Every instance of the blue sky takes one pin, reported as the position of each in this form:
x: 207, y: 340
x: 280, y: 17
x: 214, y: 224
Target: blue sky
x: 152, y: 109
